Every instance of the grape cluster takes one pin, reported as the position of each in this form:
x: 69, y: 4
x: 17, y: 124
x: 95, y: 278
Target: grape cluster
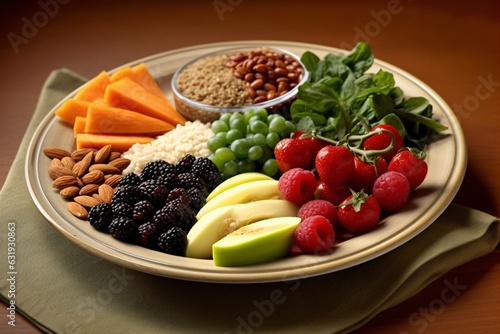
x: 244, y: 142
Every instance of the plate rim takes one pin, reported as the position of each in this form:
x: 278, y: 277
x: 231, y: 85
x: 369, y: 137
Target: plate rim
x: 228, y: 275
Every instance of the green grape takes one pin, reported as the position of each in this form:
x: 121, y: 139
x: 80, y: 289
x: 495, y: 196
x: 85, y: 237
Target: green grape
x: 262, y: 113
x: 240, y: 148
x: 225, y: 118
x: 246, y: 166
x: 232, y: 135
x: 217, y: 162
x: 289, y: 128
x: 219, y: 126
x: 248, y: 114
x: 239, y: 124
x: 224, y: 154
x: 222, y: 136
x: 277, y: 124
x: 214, y: 143
x: 255, y: 152
x: 250, y: 140
x: 270, y: 167
x: 259, y: 126
x: 270, y: 117
x: 259, y: 139
x: 230, y: 168
x: 235, y: 115
x: 267, y: 153
x: 272, y: 139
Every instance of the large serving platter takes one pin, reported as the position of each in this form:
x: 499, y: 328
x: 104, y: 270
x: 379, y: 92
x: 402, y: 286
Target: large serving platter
x: 446, y: 158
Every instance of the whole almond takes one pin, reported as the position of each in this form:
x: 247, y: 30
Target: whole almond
x: 70, y: 192
x: 95, y: 176
x: 77, y: 210
x: 64, y: 181
x: 120, y: 163
x: 98, y: 198
x: 106, y: 192
x: 105, y: 168
x: 86, y: 201
x: 89, y: 189
x: 114, y: 155
x: 57, y: 171
x: 112, y: 179
x: 68, y: 162
x: 82, y: 166
x: 56, y: 162
x: 81, y: 153
x: 55, y: 152
x: 102, y: 155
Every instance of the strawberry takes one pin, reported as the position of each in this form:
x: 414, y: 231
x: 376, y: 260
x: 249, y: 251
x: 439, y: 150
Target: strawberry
x: 316, y: 144
x: 391, y: 190
x: 334, y: 164
x: 382, y: 140
x: 359, y: 213
x: 293, y: 153
x: 411, y: 164
x: 366, y: 171
x: 334, y: 194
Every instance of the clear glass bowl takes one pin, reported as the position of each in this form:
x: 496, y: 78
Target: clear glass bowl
x: 194, y: 110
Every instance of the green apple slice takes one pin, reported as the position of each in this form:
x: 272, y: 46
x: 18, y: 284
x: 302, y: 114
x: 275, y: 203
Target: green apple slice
x: 236, y: 181
x: 243, y: 193
x: 220, y: 222
x: 259, y: 242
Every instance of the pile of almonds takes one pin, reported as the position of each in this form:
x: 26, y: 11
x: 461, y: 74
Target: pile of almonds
x: 85, y: 177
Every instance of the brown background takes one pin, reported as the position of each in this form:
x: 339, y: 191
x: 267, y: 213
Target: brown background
x: 453, y: 46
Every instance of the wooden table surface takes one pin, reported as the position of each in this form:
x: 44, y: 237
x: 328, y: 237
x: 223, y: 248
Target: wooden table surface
x: 453, y: 46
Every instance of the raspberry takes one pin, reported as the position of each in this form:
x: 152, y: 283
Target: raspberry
x: 319, y: 207
x: 314, y: 235
x: 297, y: 185
x: 391, y: 190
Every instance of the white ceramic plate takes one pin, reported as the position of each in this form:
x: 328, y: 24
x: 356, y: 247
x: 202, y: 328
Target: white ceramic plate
x: 446, y: 159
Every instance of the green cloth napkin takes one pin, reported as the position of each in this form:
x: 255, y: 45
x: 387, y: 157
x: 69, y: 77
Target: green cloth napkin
x: 64, y: 289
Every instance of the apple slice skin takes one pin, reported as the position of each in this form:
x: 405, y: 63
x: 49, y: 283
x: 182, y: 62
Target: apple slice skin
x: 213, y: 226
x: 243, y: 193
x: 259, y: 242
x: 237, y: 180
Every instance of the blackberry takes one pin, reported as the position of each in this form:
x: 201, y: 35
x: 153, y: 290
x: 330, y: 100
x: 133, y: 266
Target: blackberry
x: 121, y: 209
x: 164, y: 218
x: 169, y: 179
x: 126, y: 194
x: 179, y: 193
x: 183, y: 216
x: 142, y: 211
x: 147, y: 235
x: 155, y: 191
x: 191, y: 180
x: 208, y: 171
x: 129, y: 179
x: 184, y: 164
x: 155, y: 169
x: 197, y: 199
x: 123, y: 228
x: 173, y: 242
x: 100, y: 216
